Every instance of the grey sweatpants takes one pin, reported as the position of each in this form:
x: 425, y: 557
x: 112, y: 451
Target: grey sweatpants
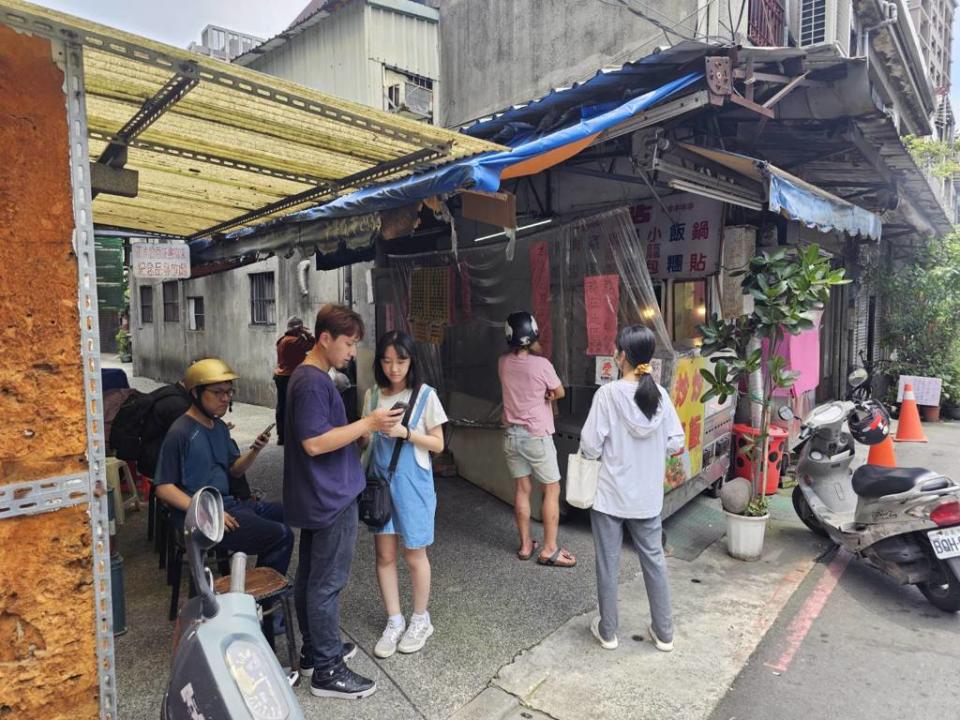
x: 646, y: 535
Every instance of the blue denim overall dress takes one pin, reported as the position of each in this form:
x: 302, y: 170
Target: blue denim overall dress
x: 411, y: 487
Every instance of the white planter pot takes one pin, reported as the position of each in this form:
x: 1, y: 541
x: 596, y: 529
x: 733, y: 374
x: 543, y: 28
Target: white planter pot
x: 745, y: 535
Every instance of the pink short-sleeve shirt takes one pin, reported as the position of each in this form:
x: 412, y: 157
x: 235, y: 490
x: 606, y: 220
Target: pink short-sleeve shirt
x: 525, y: 380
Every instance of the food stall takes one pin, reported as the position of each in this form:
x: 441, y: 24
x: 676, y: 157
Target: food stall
x: 582, y: 279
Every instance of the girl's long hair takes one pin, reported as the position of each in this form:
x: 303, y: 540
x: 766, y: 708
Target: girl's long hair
x: 403, y: 346
x: 638, y: 342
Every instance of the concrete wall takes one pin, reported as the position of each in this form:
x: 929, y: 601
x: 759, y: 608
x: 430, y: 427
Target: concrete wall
x: 498, y: 52
x: 48, y: 659
x: 163, y: 349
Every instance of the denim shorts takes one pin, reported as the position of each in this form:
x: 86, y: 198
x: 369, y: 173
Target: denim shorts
x: 531, y: 456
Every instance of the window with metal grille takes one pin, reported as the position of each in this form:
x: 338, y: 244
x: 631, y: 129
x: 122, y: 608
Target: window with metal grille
x: 262, y: 299
x: 195, y: 313
x: 171, y: 302
x: 146, y: 304
x: 813, y: 22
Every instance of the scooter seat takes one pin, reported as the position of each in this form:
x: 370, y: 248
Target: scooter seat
x: 873, y: 481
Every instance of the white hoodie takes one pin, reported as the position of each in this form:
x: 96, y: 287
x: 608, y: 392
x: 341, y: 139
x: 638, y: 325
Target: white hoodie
x: 632, y: 449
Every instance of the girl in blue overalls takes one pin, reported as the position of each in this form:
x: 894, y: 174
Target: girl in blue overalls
x: 411, y: 489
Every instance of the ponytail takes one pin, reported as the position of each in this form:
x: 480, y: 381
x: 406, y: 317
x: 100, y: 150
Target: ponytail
x: 647, y: 396
x: 637, y: 342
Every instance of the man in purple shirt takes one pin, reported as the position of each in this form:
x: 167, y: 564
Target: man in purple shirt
x: 322, y: 479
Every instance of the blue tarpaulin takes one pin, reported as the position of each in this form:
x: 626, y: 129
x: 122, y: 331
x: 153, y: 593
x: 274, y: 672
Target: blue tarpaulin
x: 797, y: 199
x: 793, y: 198
x: 483, y: 172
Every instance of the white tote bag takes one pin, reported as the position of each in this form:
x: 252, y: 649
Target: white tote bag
x: 582, y: 476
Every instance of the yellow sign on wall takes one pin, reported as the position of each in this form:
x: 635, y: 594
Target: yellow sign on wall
x: 686, y: 391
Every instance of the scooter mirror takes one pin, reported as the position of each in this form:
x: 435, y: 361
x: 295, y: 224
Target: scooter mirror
x: 204, y: 521
x: 785, y: 413
x: 858, y: 377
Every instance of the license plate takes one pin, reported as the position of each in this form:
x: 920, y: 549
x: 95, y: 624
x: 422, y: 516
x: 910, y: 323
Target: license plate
x: 946, y: 542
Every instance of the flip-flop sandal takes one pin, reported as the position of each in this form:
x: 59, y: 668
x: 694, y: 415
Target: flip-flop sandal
x: 527, y: 556
x: 552, y: 560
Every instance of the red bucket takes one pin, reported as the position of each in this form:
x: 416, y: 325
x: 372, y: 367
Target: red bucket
x: 743, y: 463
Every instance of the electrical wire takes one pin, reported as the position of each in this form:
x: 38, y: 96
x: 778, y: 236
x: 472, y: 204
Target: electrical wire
x: 620, y: 57
x: 645, y: 14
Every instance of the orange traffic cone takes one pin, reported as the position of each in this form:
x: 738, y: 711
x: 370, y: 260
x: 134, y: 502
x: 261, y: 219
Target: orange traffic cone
x: 882, y: 454
x: 909, y: 428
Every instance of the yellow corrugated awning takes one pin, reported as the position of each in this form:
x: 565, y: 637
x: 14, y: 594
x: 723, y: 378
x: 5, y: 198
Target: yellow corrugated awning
x: 229, y: 147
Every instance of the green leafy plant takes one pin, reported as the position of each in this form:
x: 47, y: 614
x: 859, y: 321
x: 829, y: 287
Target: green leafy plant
x: 922, y: 336
x: 123, y: 343
x: 786, y: 287
x: 939, y: 157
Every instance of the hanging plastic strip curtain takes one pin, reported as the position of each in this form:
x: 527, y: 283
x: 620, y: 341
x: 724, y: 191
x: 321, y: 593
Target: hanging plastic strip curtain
x: 553, y: 274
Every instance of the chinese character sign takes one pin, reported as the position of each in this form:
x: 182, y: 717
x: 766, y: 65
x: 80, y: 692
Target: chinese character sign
x: 160, y: 261
x: 686, y: 393
x: 602, y: 301
x: 683, y: 240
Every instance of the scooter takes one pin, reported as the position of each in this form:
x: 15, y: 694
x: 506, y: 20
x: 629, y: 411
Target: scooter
x: 222, y: 664
x: 905, y: 522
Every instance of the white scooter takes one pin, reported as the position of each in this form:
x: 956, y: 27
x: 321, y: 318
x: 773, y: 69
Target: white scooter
x: 222, y: 664
x: 902, y: 521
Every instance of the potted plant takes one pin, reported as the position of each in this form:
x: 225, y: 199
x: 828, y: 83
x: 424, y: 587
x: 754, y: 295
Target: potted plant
x: 786, y: 286
x: 123, y: 345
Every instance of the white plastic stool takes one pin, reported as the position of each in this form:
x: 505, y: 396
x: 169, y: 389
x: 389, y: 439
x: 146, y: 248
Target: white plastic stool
x: 118, y: 472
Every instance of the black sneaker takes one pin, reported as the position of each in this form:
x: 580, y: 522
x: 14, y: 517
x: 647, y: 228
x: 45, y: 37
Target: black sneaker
x: 341, y: 682
x: 306, y: 663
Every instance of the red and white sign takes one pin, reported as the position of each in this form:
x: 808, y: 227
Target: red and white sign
x: 682, y: 242
x: 601, y: 295
x: 160, y: 261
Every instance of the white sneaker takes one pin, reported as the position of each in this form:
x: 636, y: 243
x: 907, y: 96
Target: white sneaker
x: 661, y: 645
x: 605, y: 644
x: 387, y: 644
x: 416, y: 635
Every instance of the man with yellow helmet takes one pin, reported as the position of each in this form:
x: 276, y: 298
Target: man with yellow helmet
x: 198, y: 451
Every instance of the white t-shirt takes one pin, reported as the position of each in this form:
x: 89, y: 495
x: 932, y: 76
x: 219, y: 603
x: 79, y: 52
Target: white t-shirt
x: 433, y: 414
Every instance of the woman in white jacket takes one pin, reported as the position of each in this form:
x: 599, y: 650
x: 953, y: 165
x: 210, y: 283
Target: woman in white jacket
x: 632, y: 428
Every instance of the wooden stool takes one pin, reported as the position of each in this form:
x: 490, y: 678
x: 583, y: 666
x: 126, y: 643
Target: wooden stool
x: 267, y: 584
x: 176, y: 558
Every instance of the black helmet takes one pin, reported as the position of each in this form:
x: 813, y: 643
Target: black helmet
x: 869, y: 422
x: 521, y: 330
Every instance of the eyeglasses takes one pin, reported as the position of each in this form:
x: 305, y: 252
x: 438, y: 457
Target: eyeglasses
x: 228, y: 394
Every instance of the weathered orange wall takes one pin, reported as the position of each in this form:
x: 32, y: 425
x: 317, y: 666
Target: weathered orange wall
x: 48, y: 666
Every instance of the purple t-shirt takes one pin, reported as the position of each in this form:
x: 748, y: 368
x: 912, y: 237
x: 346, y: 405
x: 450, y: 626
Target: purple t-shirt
x: 525, y: 380
x: 316, y: 489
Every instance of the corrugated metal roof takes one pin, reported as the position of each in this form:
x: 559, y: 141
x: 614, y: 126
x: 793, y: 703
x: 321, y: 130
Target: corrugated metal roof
x: 237, y: 148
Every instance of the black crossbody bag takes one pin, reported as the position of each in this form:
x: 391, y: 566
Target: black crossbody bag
x: 376, y: 505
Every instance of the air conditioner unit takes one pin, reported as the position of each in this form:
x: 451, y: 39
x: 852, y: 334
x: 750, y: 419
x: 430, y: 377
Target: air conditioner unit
x: 822, y: 22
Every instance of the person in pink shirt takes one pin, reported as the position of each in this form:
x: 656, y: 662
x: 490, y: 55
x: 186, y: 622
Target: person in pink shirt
x: 530, y: 384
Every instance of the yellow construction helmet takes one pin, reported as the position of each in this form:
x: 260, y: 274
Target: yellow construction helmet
x: 208, y: 372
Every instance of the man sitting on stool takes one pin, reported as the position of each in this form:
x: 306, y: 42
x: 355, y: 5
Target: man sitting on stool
x: 198, y: 451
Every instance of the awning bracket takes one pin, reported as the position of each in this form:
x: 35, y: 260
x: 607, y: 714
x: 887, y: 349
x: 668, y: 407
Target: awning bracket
x: 183, y: 81
x: 384, y: 169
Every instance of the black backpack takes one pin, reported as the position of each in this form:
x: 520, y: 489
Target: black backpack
x: 128, y: 425
x: 127, y: 432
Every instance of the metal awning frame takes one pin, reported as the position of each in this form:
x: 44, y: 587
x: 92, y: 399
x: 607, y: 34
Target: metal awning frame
x: 188, y: 73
